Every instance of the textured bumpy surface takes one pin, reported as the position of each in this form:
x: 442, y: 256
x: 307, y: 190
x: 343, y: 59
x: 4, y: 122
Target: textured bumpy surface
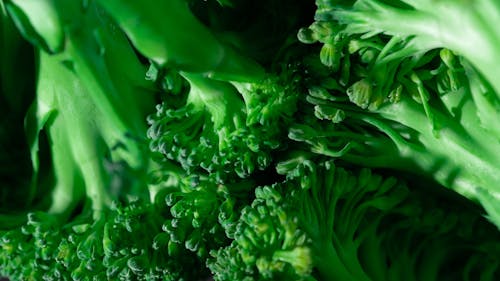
x: 249, y: 140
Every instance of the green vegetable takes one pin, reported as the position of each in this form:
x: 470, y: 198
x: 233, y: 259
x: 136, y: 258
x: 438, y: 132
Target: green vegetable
x: 249, y: 140
x: 90, y: 111
x: 401, y: 102
x: 168, y: 25
x: 224, y: 128
x: 326, y: 223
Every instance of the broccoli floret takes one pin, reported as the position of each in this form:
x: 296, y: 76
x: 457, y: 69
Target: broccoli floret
x: 204, y: 212
x: 399, y: 100
x: 224, y: 128
x: 328, y: 223
x: 268, y: 242
x: 128, y: 244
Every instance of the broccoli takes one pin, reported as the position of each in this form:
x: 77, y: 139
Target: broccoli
x: 102, y: 221
x: 327, y: 223
x: 215, y: 127
x: 167, y: 26
x: 268, y: 243
x: 203, y: 212
x: 248, y: 140
x: 412, y: 97
x: 88, y: 123
x: 232, y: 116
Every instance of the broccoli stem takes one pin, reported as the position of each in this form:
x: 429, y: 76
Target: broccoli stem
x: 163, y: 31
x: 78, y: 149
x: 90, y: 44
x: 462, y: 159
x: 69, y: 190
x: 334, y: 254
x: 113, y: 82
x: 452, y: 147
x: 92, y: 100
x: 220, y: 99
x: 330, y: 266
x: 488, y: 107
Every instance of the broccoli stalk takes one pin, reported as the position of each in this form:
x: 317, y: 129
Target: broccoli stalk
x: 92, y: 49
x: 78, y: 147
x: 465, y: 164
x: 104, y: 89
x: 162, y: 31
x: 220, y: 99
